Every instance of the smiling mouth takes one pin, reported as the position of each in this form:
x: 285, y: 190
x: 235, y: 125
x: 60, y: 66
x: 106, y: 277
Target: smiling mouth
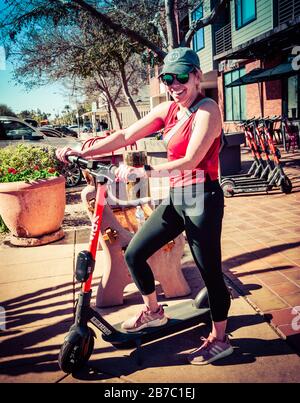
x: 177, y: 92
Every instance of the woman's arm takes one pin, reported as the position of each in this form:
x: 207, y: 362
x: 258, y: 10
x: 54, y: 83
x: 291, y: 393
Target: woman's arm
x: 150, y: 123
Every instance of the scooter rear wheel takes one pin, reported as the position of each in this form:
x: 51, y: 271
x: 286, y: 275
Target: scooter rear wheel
x: 201, y: 299
x: 74, y: 355
x: 228, y: 188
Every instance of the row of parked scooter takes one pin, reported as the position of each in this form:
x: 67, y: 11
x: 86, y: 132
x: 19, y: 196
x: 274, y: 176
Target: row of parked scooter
x: 266, y: 171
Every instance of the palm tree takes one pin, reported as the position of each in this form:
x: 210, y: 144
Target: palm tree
x: 68, y: 111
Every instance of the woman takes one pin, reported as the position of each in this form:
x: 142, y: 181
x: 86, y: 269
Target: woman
x: 193, y: 170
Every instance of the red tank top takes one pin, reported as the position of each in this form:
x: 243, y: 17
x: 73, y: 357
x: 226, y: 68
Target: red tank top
x: 177, y: 149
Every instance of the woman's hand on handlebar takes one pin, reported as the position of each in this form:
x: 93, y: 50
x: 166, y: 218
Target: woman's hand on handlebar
x: 127, y: 173
x: 63, y: 153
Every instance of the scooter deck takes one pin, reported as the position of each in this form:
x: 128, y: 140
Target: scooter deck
x: 181, y: 316
x: 254, y: 182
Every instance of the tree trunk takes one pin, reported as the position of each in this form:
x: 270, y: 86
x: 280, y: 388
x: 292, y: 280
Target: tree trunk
x: 171, y: 24
x: 109, y: 115
x: 114, y: 108
x: 127, y: 93
x: 105, y: 88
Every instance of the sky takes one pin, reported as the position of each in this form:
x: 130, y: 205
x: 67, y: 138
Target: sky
x: 50, y: 99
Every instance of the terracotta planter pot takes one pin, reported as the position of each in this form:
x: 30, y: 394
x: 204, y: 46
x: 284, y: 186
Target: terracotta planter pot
x: 33, y: 209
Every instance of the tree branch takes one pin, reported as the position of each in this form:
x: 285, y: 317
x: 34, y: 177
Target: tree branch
x: 196, y: 25
x: 156, y: 23
x: 106, y: 20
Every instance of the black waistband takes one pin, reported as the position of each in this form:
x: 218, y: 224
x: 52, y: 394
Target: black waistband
x: 207, y: 186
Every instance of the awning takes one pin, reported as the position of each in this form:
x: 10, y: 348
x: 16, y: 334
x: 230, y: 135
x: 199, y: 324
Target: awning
x: 248, y: 78
x: 260, y: 75
x: 278, y: 72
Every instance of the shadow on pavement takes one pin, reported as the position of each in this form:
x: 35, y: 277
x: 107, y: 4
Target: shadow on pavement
x: 33, y: 359
x: 258, y: 254
x: 173, y: 351
x: 27, y: 355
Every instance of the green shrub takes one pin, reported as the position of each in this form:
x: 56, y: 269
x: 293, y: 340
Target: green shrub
x: 3, y: 227
x: 28, y: 163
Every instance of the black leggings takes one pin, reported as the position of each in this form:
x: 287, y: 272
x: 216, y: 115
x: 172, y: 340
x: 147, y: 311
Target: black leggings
x: 202, y: 224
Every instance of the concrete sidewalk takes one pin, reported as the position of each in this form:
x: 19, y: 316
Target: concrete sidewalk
x: 261, y: 262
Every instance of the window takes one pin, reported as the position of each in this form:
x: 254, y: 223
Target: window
x: 235, y: 97
x: 293, y: 97
x: 245, y: 12
x: 198, y: 38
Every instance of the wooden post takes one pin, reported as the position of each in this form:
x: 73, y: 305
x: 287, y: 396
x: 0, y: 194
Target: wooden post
x: 140, y: 188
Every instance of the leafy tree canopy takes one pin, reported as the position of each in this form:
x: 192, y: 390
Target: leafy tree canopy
x: 6, y: 111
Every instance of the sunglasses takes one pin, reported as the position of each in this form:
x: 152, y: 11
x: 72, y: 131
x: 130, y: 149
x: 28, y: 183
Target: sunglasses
x: 168, y: 79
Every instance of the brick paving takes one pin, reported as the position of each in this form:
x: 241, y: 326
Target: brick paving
x: 261, y: 250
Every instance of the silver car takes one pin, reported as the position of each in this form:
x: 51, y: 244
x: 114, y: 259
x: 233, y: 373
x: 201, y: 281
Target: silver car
x: 14, y: 130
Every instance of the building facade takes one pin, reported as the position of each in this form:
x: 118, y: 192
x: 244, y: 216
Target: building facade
x: 260, y: 34
x: 248, y: 35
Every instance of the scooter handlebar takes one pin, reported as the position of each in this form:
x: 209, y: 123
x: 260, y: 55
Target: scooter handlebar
x: 107, y: 170
x: 97, y: 167
x: 92, y: 164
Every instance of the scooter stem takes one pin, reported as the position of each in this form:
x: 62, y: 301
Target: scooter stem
x: 96, y: 224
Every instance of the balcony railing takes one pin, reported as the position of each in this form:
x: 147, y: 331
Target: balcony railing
x: 288, y: 10
x: 223, y: 39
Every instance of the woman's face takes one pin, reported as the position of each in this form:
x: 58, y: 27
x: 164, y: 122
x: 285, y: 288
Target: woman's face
x: 186, y: 93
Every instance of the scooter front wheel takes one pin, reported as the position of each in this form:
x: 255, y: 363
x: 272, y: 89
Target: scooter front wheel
x: 73, y: 355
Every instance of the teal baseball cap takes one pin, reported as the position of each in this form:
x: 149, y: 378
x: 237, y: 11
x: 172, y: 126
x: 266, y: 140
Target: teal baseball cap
x: 180, y: 61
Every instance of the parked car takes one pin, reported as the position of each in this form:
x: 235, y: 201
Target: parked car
x: 32, y: 122
x: 50, y: 132
x: 74, y: 128
x: 86, y: 129
x: 14, y: 130
x: 66, y: 131
x: 81, y: 129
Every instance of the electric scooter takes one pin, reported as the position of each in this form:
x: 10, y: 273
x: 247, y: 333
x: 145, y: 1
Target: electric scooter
x: 272, y: 175
x: 256, y: 171
x: 79, y: 342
